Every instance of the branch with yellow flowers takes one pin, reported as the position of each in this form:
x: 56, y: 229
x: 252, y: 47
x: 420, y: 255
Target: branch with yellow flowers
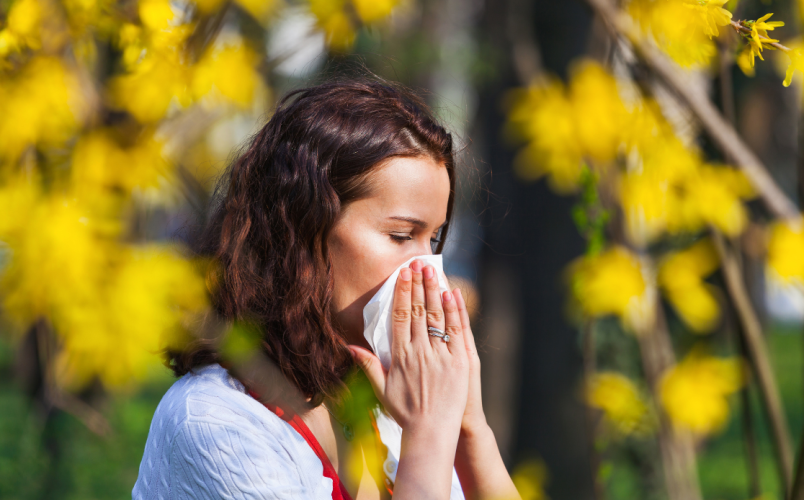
x: 719, y: 129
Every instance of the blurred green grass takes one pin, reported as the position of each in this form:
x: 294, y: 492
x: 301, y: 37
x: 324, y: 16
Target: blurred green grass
x: 56, y: 457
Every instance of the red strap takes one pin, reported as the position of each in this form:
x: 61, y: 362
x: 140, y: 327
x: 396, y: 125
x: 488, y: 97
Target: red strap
x: 338, y: 489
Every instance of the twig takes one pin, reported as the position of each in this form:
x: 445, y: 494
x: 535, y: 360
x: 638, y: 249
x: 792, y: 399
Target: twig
x: 676, y: 445
x: 710, y: 118
x: 589, y: 369
x: 759, y: 358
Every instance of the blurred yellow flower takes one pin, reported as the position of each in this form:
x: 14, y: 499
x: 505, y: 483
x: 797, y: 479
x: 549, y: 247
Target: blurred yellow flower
x: 785, y: 251
x: 156, y: 14
x: 340, y: 19
x: 598, y: 112
x: 615, y: 282
x: 231, y: 71
x: 41, y: 105
x: 717, y: 194
x: 681, y: 277
x: 563, y: 126
x: 530, y: 477
x: 152, y: 85
x: 371, y: 11
x: 682, y: 28
x: 23, y: 27
x: 150, y: 293
x: 796, y: 64
x: 100, y: 161
x: 745, y: 60
x: 694, y: 392
x: 543, y: 115
x: 59, y: 258
x: 624, y: 408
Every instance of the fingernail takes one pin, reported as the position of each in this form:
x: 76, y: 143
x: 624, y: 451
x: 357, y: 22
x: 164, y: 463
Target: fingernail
x: 447, y: 296
x: 428, y: 272
x: 404, y: 274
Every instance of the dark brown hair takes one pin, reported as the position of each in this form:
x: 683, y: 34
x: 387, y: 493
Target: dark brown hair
x: 275, y: 205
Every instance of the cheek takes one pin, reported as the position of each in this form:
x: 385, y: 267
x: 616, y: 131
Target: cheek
x: 361, y: 262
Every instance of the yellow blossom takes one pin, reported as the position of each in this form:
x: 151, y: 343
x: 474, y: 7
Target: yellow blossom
x: 745, y: 60
x: 530, y: 478
x: 624, y: 408
x: 150, y: 293
x: 335, y: 18
x: 694, y: 392
x: 785, y: 251
x: 100, y: 161
x: 796, y: 64
x: 681, y: 277
x: 760, y: 28
x: 371, y: 11
x: 156, y: 14
x: 230, y: 71
x: 615, y: 282
x: 598, y: 111
x: 149, y: 89
x: 682, y: 28
x: 543, y: 115
x: 41, y: 105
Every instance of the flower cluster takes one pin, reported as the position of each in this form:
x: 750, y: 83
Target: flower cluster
x: 101, y: 101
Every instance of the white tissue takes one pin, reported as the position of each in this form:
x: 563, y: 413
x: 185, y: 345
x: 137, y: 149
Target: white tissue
x: 377, y: 313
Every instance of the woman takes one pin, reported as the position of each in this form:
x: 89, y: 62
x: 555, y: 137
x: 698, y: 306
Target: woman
x: 347, y: 181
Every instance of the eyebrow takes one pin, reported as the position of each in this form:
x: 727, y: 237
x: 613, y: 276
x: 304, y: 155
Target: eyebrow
x: 416, y: 222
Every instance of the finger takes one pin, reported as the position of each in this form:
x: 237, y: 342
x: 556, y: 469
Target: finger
x: 469, y: 338
x: 400, y: 316
x: 432, y: 294
x: 418, y: 310
x: 453, y: 326
x: 370, y: 364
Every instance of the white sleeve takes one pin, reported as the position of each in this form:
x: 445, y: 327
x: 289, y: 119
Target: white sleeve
x: 215, y: 461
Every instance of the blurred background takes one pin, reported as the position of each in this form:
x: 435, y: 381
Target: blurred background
x: 117, y: 116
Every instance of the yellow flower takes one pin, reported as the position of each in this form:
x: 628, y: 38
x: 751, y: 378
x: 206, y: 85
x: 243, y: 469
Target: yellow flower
x: 623, y: 407
x: 151, y: 87
x: 599, y: 113
x: 231, y: 72
x: 760, y: 28
x: 614, y: 282
x: 543, y: 115
x: 682, y: 28
x: 796, y: 64
x: 694, y: 392
x: 41, y: 105
x: 785, y: 251
x: 335, y: 18
x: 156, y: 14
x: 745, y: 60
x: 371, y: 11
x: 100, y: 161
x: 141, y: 313
x: 681, y: 277
x: 716, y: 194
x: 712, y: 14
x: 530, y: 477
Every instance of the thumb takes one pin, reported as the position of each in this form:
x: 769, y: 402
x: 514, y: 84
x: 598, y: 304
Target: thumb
x: 371, y: 367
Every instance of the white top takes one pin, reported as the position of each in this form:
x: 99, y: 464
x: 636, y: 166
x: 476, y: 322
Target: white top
x: 209, y: 439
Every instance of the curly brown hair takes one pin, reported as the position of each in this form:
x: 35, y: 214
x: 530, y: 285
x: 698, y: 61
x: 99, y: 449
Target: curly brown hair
x: 275, y: 205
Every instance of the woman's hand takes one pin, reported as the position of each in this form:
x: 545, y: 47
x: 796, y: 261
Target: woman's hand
x: 428, y: 378
x: 473, y: 417
x: 425, y: 388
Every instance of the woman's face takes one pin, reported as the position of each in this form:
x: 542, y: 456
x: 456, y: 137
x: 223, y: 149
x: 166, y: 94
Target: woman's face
x: 373, y: 236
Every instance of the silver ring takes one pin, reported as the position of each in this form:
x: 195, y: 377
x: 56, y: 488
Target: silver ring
x: 435, y: 332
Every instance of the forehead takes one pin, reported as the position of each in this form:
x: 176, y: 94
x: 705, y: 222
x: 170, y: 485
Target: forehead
x: 419, y: 187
